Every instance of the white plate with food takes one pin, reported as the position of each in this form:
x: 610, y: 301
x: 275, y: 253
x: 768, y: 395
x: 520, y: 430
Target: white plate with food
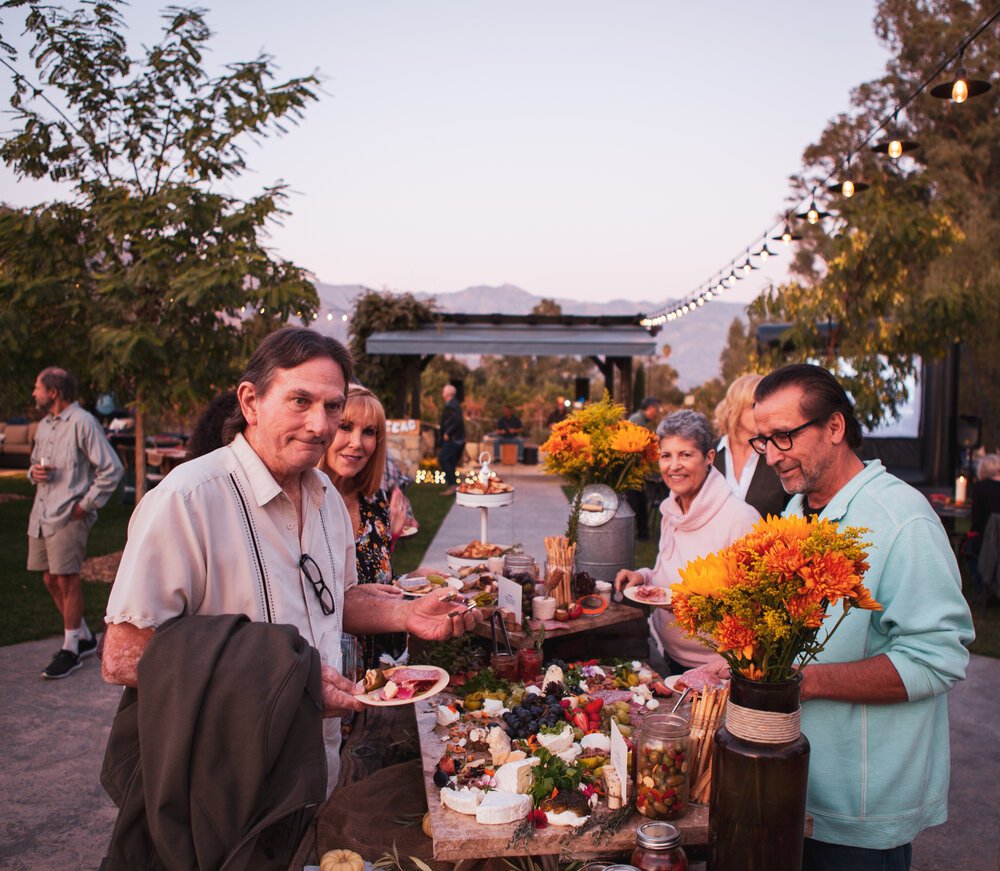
x: 408, y: 531
x: 656, y: 597
x: 402, y: 685
x: 474, y: 554
x: 484, y: 500
x: 421, y: 585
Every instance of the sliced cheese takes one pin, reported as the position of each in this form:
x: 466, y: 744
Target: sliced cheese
x: 565, y: 818
x: 595, y: 741
x: 499, y: 743
x: 515, y: 777
x: 446, y: 716
x: 570, y: 753
x: 553, y: 674
x: 465, y: 800
x: 556, y: 742
x: 502, y: 807
x: 493, y: 707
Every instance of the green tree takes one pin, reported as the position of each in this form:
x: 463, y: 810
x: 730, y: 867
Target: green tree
x: 155, y: 270
x: 547, y: 307
x: 911, y: 265
x: 392, y: 377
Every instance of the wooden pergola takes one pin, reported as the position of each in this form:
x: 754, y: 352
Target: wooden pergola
x: 610, y: 341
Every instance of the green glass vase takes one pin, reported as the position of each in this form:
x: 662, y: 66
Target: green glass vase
x: 757, y: 808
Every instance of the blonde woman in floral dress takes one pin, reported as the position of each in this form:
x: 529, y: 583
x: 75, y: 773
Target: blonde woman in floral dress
x: 701, y: 515
x: 355, y: 462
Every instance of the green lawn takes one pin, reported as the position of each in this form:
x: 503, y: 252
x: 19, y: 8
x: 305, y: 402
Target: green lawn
x: 26, y: 609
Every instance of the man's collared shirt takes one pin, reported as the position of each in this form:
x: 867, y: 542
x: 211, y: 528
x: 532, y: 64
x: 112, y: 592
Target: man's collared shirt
x: 218, y: 535
x: 87, y: 469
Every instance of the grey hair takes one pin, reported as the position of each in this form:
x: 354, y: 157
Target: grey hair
x: 988, y: 466
x: 690, y: 425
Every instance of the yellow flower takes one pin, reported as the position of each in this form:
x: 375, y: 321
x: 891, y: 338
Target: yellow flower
x: 630, y: 438
x: 707, y: 575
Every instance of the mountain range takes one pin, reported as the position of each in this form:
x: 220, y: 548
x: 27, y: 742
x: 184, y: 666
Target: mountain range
x: 695, y: 341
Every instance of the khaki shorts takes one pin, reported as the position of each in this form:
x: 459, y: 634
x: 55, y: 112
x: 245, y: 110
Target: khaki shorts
x: 62, y: 552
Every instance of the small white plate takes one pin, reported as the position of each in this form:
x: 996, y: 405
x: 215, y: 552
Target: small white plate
x: 659, y: 602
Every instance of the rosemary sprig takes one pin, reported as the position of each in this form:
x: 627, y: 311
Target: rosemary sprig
x: 524, y: 832
x: 605, y: 826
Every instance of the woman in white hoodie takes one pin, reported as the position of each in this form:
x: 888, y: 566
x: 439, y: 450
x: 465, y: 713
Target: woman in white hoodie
x: 701, y: 515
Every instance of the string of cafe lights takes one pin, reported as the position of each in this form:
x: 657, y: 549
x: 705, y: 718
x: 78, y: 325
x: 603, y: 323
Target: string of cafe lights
x: 958, y: 90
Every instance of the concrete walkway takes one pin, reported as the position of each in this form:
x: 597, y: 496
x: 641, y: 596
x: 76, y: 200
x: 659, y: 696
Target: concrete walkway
x: 55, y: 815
x: 539, y: 509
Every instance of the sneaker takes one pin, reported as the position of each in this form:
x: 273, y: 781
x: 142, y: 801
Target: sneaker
x: 63, y: 665
x: 88, y: 648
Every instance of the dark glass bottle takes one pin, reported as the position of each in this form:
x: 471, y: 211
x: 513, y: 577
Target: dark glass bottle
x: 757, y: 810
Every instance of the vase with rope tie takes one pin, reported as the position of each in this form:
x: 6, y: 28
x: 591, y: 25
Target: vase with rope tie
x: 757, y: 809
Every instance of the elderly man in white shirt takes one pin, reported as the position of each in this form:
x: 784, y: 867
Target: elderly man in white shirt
x: 255, y: 528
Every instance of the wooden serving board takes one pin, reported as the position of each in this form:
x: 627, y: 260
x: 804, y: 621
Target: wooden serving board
x: 614, y: 614
x: 459, y: 836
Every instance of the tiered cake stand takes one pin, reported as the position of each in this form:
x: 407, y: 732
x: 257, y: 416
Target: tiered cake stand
x: 484, y: 502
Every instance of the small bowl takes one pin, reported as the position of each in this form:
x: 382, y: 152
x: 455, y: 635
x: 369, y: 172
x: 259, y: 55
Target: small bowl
x: 543, y: 607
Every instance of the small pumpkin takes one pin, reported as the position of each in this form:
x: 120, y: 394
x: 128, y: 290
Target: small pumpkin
x: 341, y: 860
x: 426, y: 826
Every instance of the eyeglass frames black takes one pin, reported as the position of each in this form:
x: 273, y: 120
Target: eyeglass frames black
x: 323, y: 593
x: 781, y: 440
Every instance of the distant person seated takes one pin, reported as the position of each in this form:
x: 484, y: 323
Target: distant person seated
x: 509, y: 432
x: 558, y: 414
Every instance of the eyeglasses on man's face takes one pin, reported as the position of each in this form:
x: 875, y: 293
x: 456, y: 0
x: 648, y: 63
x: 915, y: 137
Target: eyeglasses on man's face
x: 781, y: 440
x: 315, y: 577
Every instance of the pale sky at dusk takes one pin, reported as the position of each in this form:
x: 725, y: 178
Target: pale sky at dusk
x: 592, y: 150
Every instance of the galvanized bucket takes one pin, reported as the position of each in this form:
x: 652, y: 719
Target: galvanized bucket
x: 602, y: 551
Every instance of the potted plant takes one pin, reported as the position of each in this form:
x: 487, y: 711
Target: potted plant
x: 597, y: 445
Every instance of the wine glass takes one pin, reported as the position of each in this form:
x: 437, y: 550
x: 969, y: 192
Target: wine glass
x: 341, y: 651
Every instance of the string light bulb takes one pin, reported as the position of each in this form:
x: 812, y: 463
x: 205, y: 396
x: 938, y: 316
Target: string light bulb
x: 765, y: 252
x: 813, y: 214
x: 961, y: 87
x: 848, y: 187
x: 894, y: 145
x: 786, y: 235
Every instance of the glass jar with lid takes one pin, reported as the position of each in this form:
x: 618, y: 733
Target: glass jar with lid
x: 661, y: 766
x: 658, y: 848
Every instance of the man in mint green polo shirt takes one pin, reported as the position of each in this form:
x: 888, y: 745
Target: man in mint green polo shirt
x: 875, y: 706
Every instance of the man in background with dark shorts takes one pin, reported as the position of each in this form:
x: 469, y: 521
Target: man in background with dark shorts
x: 75, y: 471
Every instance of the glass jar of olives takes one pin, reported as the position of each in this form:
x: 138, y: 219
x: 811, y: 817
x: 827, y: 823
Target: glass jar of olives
x: 661, y: 766
x: 658, y: 848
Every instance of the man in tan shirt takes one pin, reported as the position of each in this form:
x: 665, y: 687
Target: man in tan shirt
x: 255, y: 528
x: 75, y: 471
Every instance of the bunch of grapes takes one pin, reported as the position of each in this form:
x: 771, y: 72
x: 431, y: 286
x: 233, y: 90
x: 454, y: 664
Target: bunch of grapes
x: 534, y: 712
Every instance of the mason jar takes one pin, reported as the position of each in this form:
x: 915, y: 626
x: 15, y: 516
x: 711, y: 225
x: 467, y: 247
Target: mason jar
x: 658, y: 848
x: 662, y: 766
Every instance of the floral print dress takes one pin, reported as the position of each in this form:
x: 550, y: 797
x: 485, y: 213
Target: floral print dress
x: 373, y: 544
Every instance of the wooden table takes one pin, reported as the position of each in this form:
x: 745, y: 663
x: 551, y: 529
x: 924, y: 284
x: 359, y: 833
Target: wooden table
x: 615, y: 615
x: 459, y: 836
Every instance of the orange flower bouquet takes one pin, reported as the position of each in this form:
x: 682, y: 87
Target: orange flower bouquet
x: 597, y: 445
x: 761, y: 602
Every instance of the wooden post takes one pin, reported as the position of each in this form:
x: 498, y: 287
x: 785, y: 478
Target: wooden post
x: 140, y: 448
